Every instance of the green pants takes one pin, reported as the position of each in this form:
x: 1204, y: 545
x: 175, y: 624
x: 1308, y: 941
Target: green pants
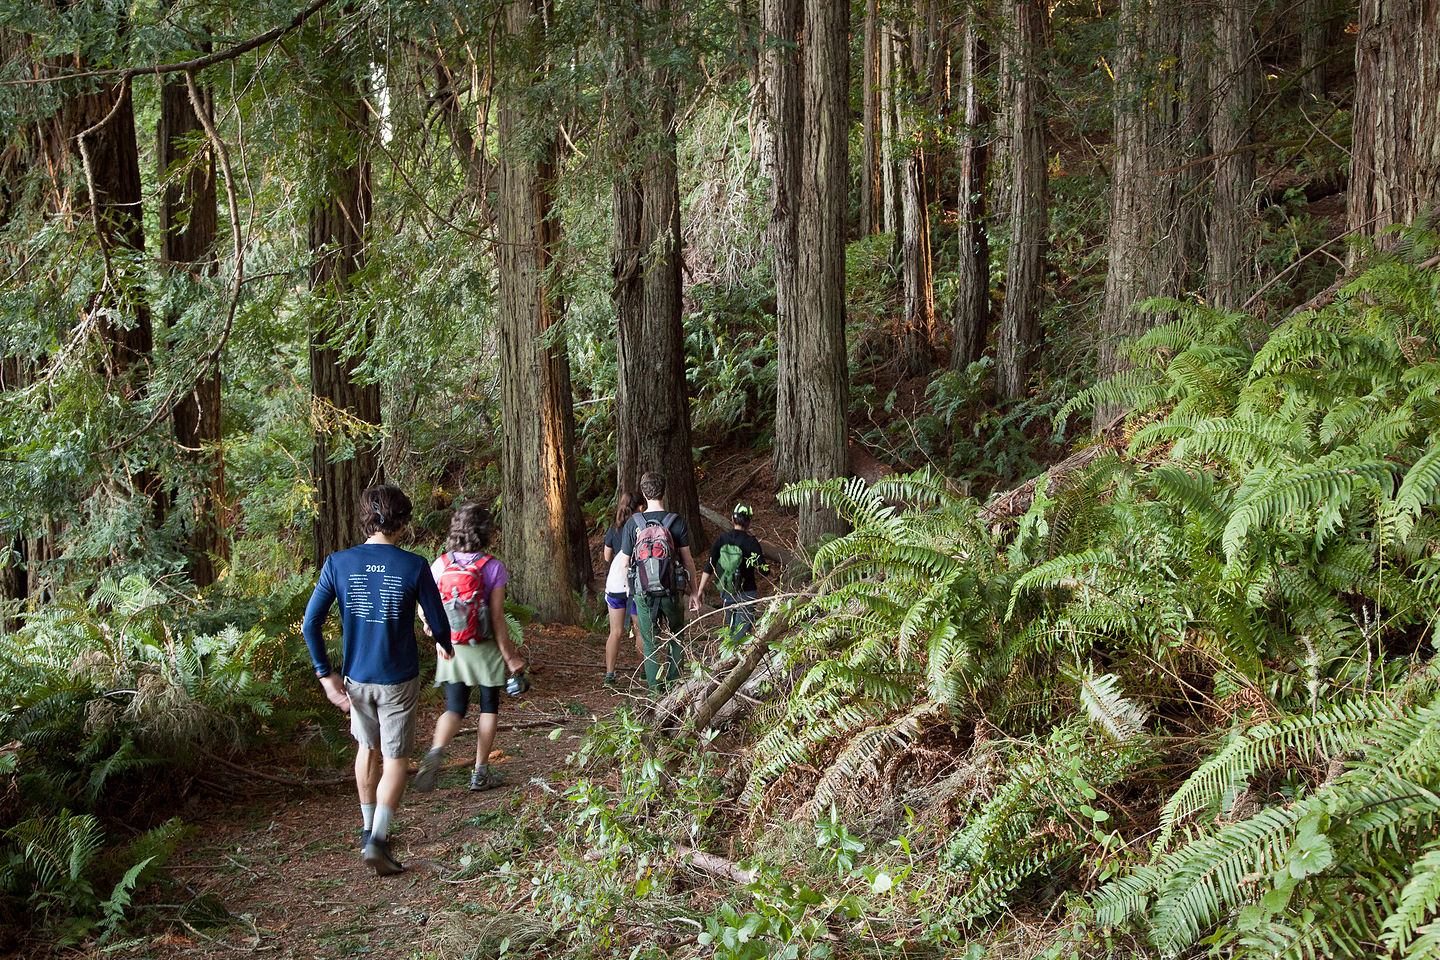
x: 649, y: 610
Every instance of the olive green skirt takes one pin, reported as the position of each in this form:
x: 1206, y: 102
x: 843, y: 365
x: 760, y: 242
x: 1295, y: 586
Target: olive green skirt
x: 474, y: 664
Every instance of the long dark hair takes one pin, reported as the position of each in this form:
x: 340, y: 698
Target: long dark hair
x: 471, y: 528
x: 625, y: 507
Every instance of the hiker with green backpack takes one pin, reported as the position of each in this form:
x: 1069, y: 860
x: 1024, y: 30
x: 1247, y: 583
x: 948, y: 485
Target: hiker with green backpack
x: 655, y: 552
x: 735, y: 558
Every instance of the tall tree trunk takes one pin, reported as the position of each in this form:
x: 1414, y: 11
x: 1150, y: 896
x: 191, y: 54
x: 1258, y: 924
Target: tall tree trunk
x: 14, y: 547
x: 543, y: 532
x: 652, y: 409
x: 782, y: 29
x: 1194, y: 50
x: 338, y: 224
x: 1232, y: 81
x: 1029, y: 203
x: 1150, y: 214
x: 871, y: 186
x: 1315, y: 17
x: 816, y: 385
x: 917, y: 338
x: 889, y: 134
x: 972, y: 300
x: 1395, y: 140
x: 188, y: 223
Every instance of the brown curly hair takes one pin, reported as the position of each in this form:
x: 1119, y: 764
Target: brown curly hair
x: 471, y: 528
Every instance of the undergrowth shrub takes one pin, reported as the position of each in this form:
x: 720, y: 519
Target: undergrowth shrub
x: 1224, y: 629
x: 106, y: 704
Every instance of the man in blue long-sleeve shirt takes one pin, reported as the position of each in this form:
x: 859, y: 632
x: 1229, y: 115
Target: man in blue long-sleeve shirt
x: 378, y: 586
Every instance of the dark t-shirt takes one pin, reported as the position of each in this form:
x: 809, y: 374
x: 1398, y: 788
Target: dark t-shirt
x: 377, y: 587
x: 754, y: 559
x: 678, y: 531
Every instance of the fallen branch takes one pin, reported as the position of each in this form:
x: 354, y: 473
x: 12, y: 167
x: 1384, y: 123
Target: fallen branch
x: 716, y: 866
x: 737, y: 677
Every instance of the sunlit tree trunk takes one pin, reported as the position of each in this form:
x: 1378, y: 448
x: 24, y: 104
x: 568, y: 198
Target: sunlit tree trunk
x: 1029, y: 203
x: 188, y: 224
x: 1395, y: 139
x: 542, y: 529
x: 652, y: 409
x: 972, y: 299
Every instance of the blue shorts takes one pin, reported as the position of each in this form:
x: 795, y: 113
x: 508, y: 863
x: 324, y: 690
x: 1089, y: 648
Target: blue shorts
x: 617, y: 601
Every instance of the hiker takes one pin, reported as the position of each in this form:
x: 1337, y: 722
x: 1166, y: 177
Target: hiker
x: 735, y: 557
x: 472, y: 588
x: 652, y: 541
x: 378, y: 586
x: 617, y: 597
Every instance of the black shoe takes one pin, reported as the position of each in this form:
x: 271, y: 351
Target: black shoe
x: 377, y: 856
x: 364, y: 838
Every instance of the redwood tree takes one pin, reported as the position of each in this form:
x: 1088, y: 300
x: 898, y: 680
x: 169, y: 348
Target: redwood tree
x: 339, y: 220
x: 1029, y: 199
x: 972, y: 299
x: 188, y: 222
x: 781, y: 162
x: 814, y: 377
x: 652, y: 403
x: 1233, y: 75
x: 543, y: 531
x: 1395, y: 139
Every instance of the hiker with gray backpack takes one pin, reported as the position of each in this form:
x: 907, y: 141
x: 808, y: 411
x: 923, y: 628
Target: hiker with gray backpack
x: 659, y: 568
x: 735, y: 558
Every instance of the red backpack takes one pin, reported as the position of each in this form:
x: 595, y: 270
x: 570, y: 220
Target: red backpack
x: 653, y: 564
x: 465, y: 607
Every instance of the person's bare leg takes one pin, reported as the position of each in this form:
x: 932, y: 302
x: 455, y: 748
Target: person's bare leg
x: 612, y: 642
x: 367, y: 773
x: 485, y: 737
x: 445, y: 729
x: 392, y: 782
x: 635, y: 632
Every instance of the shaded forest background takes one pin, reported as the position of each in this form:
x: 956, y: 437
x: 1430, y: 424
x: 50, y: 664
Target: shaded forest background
x: 257, y: 256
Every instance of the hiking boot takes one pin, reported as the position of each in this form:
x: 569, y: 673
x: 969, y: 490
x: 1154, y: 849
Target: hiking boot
x: 429, y: 771
x: 377, y: 857
x: 611, y: 682
x: 483, y: 779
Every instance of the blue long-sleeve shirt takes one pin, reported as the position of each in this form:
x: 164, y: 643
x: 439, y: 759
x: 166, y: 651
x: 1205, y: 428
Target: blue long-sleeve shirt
x: 377, y: 586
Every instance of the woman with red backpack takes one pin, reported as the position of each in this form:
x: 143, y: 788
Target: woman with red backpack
x: 472, y: 589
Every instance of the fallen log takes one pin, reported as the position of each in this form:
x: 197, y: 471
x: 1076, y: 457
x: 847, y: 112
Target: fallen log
x: 721, y: 695
x: 716, y: 866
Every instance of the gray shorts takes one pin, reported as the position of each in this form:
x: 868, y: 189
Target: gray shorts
x: 382, y: 716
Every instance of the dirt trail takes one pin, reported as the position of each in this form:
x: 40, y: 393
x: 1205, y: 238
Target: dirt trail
x: 287, y: 867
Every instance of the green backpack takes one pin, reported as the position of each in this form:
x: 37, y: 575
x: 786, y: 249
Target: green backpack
x: 732, y: 561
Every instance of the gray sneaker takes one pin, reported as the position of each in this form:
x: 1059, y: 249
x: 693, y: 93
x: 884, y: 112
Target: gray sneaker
x: 377, y: 857
x: 429, y: 771
x: 483, y: 779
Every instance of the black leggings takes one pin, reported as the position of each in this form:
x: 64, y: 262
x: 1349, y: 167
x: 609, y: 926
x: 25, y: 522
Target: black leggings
x: 457, y: 698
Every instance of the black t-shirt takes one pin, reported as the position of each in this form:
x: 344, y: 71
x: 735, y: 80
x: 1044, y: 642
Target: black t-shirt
x: 678, y: 531
x: 752, y: 561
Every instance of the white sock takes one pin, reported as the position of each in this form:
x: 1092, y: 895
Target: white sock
x: 367, y: 813
x: 381, y: 829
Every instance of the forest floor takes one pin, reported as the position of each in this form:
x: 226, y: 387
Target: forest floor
x: 286, y: 866
x: 279, y: 872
